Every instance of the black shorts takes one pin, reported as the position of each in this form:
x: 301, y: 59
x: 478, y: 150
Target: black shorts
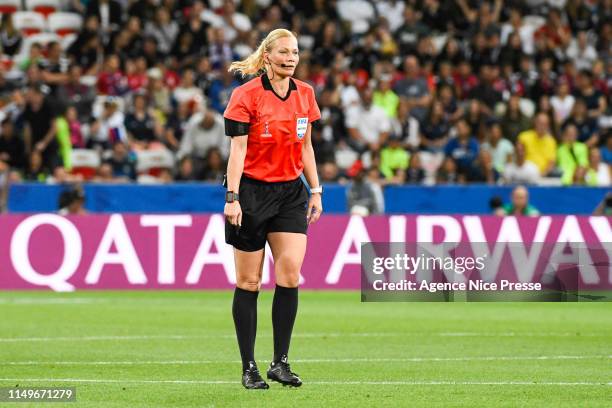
x: 268, y: 207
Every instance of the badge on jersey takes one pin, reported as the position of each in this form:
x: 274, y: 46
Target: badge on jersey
x: 301, y: 126
x: 266, y: 134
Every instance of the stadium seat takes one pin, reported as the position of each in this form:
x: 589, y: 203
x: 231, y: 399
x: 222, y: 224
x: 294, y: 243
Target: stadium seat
x: 64, y: 23
x: 534, y: 21
x: 153, y: 161
x: 9, y: 6
x: 215, y: 4
x: 44, y: 7
x: 67, y: 40
x: 29, y: 22
x: 85, y: 162
x: 550, y: 182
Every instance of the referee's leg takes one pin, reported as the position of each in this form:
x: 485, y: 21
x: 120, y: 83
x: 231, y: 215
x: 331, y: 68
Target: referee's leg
x: 244, y: 310
x: 288, y: 250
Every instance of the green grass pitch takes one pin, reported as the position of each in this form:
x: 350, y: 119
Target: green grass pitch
x: 177, y: 349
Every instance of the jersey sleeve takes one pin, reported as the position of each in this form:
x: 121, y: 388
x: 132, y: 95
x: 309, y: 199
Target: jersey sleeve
x: 314, y: 113
x: 237, y: 114
x: 237, y: 109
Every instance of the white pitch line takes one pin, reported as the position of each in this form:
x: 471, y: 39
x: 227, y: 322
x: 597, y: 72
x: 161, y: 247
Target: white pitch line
x: 303, y: 335
x: 308, y: 361
x: 334, y: 382
x: 560, y: 383
x: 103, y: 338
x: 443, y: 359
x: 521, y: 334
x: 51, y: 301
x: 186, y: 337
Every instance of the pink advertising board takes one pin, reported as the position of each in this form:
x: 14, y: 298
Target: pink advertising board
x: 183, y: 251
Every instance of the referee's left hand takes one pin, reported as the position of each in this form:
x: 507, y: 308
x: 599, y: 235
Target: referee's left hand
x: 315, y: 208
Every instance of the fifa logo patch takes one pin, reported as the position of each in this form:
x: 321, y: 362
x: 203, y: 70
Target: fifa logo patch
x: 301, y: 127
x: 266, y: 132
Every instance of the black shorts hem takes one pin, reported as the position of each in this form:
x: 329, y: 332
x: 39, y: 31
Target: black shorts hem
x: 295, y: 231
x: 239, y: 247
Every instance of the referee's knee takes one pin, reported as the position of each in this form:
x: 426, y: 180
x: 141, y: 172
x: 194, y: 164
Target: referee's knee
x: 251, y: 285
x: 288, y: 271
x: 288, y: 281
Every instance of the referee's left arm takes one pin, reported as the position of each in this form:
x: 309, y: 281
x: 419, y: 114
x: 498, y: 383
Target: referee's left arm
x: 315, y: 206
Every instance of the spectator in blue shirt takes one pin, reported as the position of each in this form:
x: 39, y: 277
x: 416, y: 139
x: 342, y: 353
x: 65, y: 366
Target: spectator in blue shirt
x: 606, y: 149
x: 463, y: 148
x: 221, y: 89
x: 588, y: 129
x: 435, y: 128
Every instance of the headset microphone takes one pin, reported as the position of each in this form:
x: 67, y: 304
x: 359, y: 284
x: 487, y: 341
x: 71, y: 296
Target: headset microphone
x: 279, y: 65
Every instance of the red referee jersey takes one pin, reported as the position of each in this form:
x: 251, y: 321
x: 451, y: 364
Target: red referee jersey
x: 276, y: 127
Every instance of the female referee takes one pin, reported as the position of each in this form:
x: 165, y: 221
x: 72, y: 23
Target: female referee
x: 269, y: 120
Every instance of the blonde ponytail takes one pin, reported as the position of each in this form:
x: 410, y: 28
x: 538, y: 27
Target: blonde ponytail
x: 254, y: 63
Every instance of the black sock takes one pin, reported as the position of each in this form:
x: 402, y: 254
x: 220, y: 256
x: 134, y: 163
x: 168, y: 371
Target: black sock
x: 244, y: 310
x: 284, y: 309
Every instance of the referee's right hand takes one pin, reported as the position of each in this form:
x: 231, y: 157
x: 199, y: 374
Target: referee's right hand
x: 233, y: 213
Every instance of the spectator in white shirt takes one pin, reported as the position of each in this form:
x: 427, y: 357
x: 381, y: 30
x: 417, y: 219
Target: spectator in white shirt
x: 368, y: 125
x: 515, y: 24
x: 598, y: 173
x: 562, y: 102
x: 349, y: 95
x: 521, y: 171
x: 163, y: 29
x: 205, y: 130
x: 234, y: 24
x: 393, y: 11
x: 207, y: 14
x: 581, y: 52
x: 501, y: 149
x: 109, y: 127
x: 187, y: 91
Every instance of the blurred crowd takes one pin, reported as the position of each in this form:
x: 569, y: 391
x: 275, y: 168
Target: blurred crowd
x: 411, y: 92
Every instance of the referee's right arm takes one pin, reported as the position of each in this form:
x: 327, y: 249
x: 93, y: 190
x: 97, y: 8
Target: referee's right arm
x: 237, y: 117
x: 235, y: 165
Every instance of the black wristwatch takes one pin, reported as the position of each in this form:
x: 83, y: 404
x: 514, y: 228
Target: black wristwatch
x: 230, y: 196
